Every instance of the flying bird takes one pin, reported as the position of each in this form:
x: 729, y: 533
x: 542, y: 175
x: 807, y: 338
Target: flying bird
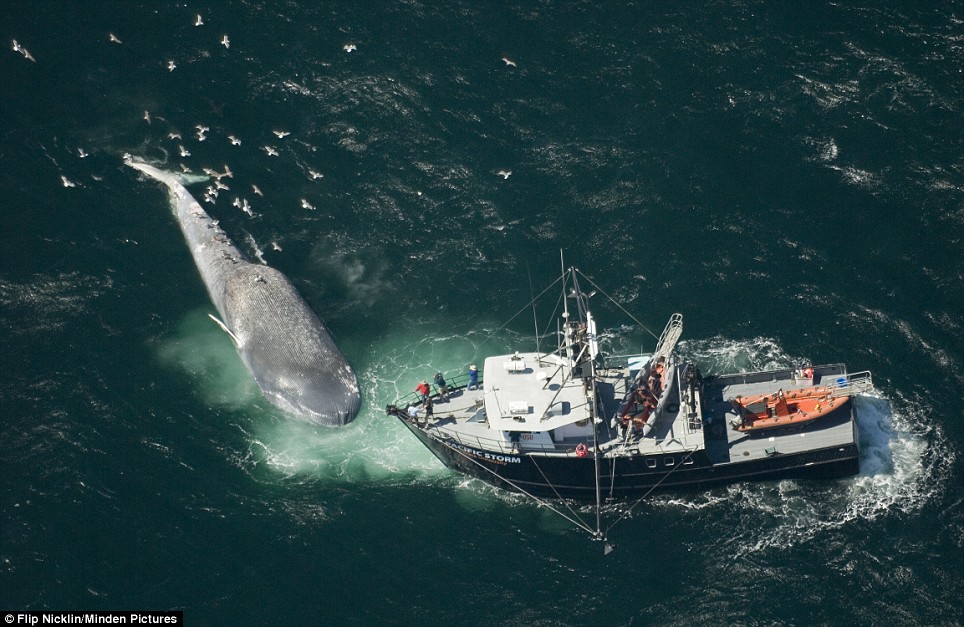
x: 256, y: 190
x: 184, y: 151
x: 307, y: 205
x: 198, y: 21
x: 225, y: 42
x: 272, y: 152
x: 281, y: 134
x: 504, y: 173
x: 315, y: 175
x: 508, y: 61
x: 234, y: 140
x: 349, y: 47
x: 114, y: 38
x: 147, y: 116
x: 170, y: 66
x: 67, y: 182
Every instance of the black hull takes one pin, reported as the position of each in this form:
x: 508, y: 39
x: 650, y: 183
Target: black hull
x: 634, y: 476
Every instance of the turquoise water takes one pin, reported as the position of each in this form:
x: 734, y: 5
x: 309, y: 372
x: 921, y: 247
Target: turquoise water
x: 788, y: 178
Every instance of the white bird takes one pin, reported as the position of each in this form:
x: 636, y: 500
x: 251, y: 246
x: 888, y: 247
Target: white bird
x: 198, y: 21
x: 504, y: 173
x: 209, y: 198
x: 184, y: 151
x: 26, y: 54
x: 349, y: 47
x: 281, y: 134
x: 147, y: 116
x: 234, y: 140
x: 82, y: 153
x: 509, y: 61
x: 272, y: 152
x: 202, y: 129
x: 245, y: 207
x: 275, y: 246
x: 174, y: 136
x: 186, y: 169
x: 225, y: 42
x: 219, y: 185
x: 307, y: 205
x: 210, y: 191
x: 227, y: 172
x: 256, y: 190
x: 170, y: 66
x: 114, y: 38
x: 237, y: 202
x: 67, y: 182
x: 315, y: 175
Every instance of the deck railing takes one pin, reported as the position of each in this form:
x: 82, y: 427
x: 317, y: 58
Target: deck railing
x: 457, y: 382
x: 850, y: 384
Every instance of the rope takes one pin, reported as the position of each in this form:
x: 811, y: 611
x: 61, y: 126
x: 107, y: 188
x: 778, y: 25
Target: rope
x: 621, y: 308
x: 650, y: 491
x: 543, y: 502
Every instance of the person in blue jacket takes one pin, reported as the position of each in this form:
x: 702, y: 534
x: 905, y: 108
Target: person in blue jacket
x: 473, y: 378
x: 443, y: 389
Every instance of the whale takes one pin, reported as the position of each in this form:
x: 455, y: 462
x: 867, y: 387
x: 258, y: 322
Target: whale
x: 282, y: 342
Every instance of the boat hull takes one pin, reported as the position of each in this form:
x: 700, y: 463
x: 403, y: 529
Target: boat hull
x: 632, y: 476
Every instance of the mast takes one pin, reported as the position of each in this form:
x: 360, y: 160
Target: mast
x: 588, y: 352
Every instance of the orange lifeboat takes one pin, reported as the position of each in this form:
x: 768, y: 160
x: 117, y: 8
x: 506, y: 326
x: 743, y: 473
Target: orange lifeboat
x: 785, y: 409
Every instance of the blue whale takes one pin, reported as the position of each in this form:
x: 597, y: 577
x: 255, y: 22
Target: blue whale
x: 281, y: 341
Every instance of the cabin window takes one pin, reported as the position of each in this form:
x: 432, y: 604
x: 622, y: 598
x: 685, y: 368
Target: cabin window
x: 651, y: 463
x: 687, y: 461
x: 669, y: 461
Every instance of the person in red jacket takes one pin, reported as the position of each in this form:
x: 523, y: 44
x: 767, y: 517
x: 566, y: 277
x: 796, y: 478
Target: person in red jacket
x: 423, y: 390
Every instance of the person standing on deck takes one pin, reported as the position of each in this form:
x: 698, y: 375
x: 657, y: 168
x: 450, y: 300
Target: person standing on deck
x: 423, y: 390
x: 443, y: 389
x: 473, y: 378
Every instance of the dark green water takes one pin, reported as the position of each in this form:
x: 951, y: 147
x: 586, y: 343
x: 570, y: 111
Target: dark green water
x: 789, y: 177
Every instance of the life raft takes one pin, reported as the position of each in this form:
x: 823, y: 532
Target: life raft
x: 785, y: 409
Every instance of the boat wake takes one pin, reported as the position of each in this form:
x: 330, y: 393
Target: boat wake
x: 904, y: 463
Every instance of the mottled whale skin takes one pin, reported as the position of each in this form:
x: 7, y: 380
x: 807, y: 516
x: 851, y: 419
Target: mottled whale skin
x: 282, y: 342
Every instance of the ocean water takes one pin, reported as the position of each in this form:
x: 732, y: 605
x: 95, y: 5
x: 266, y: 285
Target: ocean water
x: 788, y: 176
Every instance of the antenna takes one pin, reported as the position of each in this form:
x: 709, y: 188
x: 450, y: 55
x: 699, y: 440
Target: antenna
x: 535, y: 320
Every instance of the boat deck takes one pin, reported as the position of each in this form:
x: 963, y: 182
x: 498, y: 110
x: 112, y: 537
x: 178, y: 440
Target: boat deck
x: 729, y: 445
x: 462, y: 418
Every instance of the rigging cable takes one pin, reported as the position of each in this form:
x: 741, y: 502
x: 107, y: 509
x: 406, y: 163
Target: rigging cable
x: 623, y: 309
x: 576, y: 522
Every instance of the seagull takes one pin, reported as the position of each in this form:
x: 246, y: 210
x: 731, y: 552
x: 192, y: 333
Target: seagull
x: 219, y: 185
x: 186, y: 169
x: 227, y: 172
x: 184, y: 151
x: 170, y: 66
x: 225, y: 42
x: 271, y: 151
x: 315, y: 175
x: 174, y: 136
x: 504, y: 173
x: 114, y: 38
x: 82, y: 153
x: 281, y: 134
x: 245, y: 207
x: 307, y: 205
x: 234, y: 140
x: 198, y: 21
x: 209, y: 198
x: 237, y: 202
x: 18, y: 48
x: 67, y: 182
x: 509, y: 61
x: 210, y: 191
x: 147, y: 116
x: 275, y: 246
x: 349, y: 47
x: 257, y: 190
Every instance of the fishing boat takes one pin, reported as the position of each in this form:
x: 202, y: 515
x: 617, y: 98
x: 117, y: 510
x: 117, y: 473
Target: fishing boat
x: 572, y: 423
